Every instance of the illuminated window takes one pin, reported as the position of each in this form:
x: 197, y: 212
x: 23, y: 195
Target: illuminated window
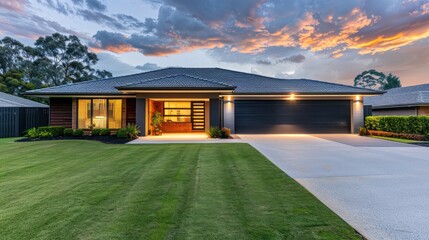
x: 84, y: 113
x: 99, y: 113
x: 102, y: 113
x: 177, y: 112
x: 115, y: 113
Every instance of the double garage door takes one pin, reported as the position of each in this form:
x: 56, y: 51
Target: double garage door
x: 283, y: 116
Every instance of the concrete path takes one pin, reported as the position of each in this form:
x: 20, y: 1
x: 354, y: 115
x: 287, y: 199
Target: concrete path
x: 381, y: 188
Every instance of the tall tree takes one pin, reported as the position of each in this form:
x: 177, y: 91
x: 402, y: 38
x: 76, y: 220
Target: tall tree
x: 376, y: 80
x: 391, y: 81
x: 12, y: 82
x: 70, y: 61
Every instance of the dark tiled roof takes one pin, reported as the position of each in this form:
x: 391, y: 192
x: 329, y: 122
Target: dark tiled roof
x: 177, y: 81
x: 403, y: 96
x: 245, y: 83
x: 8, y: 100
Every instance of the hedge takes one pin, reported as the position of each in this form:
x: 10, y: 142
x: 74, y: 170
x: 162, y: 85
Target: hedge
x: 399, y: 124
x: 56, y: 131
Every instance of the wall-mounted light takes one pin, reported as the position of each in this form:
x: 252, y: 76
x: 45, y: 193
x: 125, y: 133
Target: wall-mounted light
x: 357, y: 98
x: 228, y: 99
x: 291, y: 97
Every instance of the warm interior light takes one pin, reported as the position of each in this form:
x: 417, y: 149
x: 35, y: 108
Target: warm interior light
x: 292, y: 97
x: 99, y: 117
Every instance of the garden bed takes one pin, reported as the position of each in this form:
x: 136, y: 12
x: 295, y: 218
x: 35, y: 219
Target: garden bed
x: 103, y: 139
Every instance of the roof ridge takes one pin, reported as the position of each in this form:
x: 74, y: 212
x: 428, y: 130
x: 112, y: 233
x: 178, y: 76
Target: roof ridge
x: 343, y: 85
x: 208, y: 80
x: 175, y: 75
x: 149, y: 80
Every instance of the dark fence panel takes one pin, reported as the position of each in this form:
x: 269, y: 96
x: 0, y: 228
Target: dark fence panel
x: 9, y: 122
x: 367, y: 111
x: 14, y: 121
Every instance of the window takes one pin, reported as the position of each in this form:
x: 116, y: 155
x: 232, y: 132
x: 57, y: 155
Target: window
x: 99, y: 113
x: 177, y: 112
x: 102, y: 113
x: 115, y: 113
x: 84, y: 113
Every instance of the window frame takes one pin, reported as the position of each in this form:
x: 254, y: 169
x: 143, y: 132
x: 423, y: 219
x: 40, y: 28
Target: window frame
x: 92, y: 111
x: 181, y: 108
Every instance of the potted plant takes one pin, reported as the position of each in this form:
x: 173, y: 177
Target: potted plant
x: 157, y: 121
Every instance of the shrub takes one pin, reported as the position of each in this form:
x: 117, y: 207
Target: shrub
x: 363, y: 131
x: 78, y: 133
x: 32, y: 133
x: 45, y: 134
x: 214, y: 132
x: 399, y: 124
x: 96, y: 131
x: 372, y: 123
x: 225, y: 133
x: 104, y: 132
x: 68, y: 132
x: 55, y: 130
x: 133, y: 130
x: 427, y: 137
x: 122, y: 133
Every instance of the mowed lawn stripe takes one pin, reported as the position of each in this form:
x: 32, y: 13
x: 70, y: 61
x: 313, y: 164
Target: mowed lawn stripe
x: 90, y: 190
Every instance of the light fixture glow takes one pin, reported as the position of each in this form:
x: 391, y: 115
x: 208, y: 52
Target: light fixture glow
x: 292, y: 97
x: 357, y: 97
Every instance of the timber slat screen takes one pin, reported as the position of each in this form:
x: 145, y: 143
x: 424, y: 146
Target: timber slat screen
x: 14, y: 121
x: 198, y: 116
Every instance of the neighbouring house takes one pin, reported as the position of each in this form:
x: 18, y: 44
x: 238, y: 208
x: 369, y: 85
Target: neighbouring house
x: 194, y: 99
x: 402, y: 101
x: 19, y: 114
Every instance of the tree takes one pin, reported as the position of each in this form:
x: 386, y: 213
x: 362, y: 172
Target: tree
x: 12, y: 82
x: 391, y: 82
x: 376, y: 80
x: 64, y: 59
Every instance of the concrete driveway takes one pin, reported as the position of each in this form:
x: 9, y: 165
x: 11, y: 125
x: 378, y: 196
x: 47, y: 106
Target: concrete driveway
x: 381, y: 188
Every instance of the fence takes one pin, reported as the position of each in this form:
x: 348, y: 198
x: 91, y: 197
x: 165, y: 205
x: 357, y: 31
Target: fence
x: 14, y: 121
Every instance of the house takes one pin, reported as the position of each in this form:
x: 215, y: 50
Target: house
x: 402, y: 101
x: 194, y: 99
x: 19, y: 114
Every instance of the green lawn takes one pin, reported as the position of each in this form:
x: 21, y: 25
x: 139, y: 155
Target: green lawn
x: 91, y: 190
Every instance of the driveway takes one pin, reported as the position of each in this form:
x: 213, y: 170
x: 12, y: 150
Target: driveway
x: 381, y: 188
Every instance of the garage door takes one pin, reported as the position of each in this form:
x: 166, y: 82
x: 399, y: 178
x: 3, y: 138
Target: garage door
x: 283, y: 116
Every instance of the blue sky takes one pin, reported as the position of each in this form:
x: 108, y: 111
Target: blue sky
x: 327, y: 40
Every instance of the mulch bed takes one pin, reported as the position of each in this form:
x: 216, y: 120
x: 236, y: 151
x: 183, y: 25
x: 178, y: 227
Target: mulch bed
x: 103, y: 139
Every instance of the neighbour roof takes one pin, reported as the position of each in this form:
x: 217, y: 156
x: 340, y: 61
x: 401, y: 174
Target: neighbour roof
x: 177, y: 81
x: 8, y: 100
x: 244, y: 83
x: 402, y: 96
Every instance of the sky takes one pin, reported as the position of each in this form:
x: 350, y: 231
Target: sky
x: 327, y: 40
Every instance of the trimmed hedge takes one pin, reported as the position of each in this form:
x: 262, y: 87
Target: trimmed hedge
x: 399, y: 124
x: 78, y: 133
x: 56, y: 131
x: 68, y: 132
